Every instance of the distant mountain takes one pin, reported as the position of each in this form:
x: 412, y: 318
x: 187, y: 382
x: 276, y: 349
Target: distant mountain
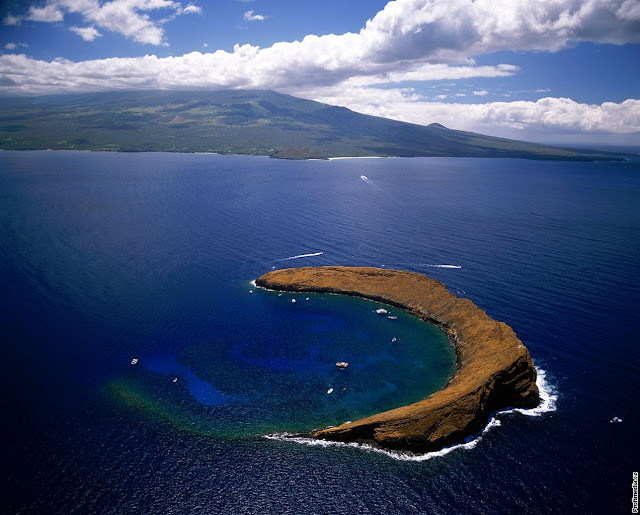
x: 237, y: 122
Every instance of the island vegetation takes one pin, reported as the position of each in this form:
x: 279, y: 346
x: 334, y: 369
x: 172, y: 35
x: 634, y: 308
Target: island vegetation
x: 238, y: 122
x: 494, y: 369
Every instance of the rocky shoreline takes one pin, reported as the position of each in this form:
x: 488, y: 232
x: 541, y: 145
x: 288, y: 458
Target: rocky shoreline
x: 494, y: 368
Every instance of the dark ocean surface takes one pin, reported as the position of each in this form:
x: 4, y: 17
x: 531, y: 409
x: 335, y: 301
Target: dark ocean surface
x: 106, y: 257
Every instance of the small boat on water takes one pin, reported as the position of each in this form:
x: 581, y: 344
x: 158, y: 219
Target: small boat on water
x: 394, y: 340
x: 382, y: 311
x: 293, y: 301
x: 329, y: 391
x: 392, y: 317
x: 615, y: 420
x: 134, y: 361
x: 342, y: 364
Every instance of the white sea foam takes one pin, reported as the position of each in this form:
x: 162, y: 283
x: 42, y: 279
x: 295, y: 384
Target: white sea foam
x: 396, y: 455
x: 302, y: 256
x: 548, y: 397
x: 443, y: 266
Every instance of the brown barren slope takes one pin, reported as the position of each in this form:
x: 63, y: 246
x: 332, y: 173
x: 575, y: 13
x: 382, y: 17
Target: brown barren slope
x: 494, y: 368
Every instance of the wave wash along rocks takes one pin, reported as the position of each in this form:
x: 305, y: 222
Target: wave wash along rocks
x: 494, y: 369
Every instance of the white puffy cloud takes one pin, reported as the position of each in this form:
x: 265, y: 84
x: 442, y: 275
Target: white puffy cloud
x: 127, y: 17
x: 13, y: 46
x: 192, y: 9
x: 86, y: 33
x: 481, y: 92
x: 430, y: 72
x: 546, y: 114
x: 48, y: 13
x: 246, y: 67
x: 452, y: 30
x: 10, y: 19
x: 252, y: 16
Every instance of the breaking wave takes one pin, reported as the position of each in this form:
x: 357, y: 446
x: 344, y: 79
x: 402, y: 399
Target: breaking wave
x: 548, y: 397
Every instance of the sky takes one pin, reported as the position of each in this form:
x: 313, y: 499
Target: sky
x: 540, y: 70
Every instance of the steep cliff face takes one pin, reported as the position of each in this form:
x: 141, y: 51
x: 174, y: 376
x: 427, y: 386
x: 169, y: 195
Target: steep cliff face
x: 494, y: 370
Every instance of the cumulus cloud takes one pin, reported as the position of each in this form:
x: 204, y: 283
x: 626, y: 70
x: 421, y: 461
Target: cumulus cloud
x: 246, y: 67
x: 49, y: 13
x: 428, y: 72
x: 192, y: 9
x: 86, y: 33
x: 481, y: 92
x: 13, y: 46
x: 128, y: 17
x: 252, y: 16
x: 451, y: 30
x: 10, y: 19
x: 546, y: 114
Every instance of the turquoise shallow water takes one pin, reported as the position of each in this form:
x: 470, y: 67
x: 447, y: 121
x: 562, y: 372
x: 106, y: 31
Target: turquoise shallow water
x: 106, y: 257
x: 273, y: 373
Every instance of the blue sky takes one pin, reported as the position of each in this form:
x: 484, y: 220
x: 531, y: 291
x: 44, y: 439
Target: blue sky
x: 543, y: 70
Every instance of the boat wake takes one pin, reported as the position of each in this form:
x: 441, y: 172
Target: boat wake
x: 442, y: 266
x: 374, y: 186
x: 548, y: 397
x: 301, y: 256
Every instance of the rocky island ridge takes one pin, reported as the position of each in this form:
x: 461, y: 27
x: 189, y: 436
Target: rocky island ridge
x: 494, y: 370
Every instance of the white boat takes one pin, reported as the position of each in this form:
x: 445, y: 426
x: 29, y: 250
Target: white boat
x: 342, y: 364
x: 394, y: 340
x: 293, y: 301
x: 615, y: 420
x: 329, y: 391
x: 392, y: 317
x: 175, y: 379
x: 382, y: 311
x: 134, y: 361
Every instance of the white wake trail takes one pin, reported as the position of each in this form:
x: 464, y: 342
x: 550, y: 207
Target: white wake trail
x: 302, y: 256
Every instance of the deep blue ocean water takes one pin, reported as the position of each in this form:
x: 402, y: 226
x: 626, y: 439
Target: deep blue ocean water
x: 109, y: 257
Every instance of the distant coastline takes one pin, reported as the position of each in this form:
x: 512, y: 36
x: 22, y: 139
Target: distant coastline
x: 494, y: 368
x: 577, y: 157
x: 243, y: 122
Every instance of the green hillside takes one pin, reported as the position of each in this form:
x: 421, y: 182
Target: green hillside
x: 236, y: 122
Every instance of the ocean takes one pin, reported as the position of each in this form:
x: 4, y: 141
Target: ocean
x: 107, y: 258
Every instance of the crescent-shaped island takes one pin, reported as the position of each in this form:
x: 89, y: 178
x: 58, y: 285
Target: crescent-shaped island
x: 494, y: 370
